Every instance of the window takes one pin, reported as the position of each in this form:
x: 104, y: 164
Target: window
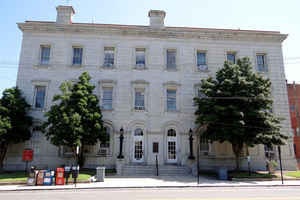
x: 77, y: 56
x: 269, y: 152
x: 35, y: 136
x: 139, y: 103
x: 261, y: 63
x: 107, y: 98
x: 140, y: 58
x: 201, y: 60
x: 45, y: 55
x: 40, y: 93
x: 292, y: 107
x: 67, y: 151
x: 204, y: 146
x: 107, y: 143
x: 200, y: 94
x: 171, y: 100
x: 231, y: 57
x: 138, y: 132
x: 171, y: 133
x: 171, y: 59
x: 109, y: 56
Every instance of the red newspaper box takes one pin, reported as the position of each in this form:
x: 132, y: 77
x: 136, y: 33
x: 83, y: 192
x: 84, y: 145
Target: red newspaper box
x: 60, y: 178
x: 40, y: 177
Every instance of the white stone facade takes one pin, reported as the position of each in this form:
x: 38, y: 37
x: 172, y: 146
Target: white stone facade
x: 154, y: 79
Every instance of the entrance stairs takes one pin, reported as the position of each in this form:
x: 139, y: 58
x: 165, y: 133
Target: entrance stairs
x: 150, y: 170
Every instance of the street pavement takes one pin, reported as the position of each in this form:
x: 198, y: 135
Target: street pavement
x: 202, y: 193
x: 154, y: 182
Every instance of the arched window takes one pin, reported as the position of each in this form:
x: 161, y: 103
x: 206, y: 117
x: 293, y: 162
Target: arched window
x: 138, y: 132
x: 171, y: 133
x: 107, y: 143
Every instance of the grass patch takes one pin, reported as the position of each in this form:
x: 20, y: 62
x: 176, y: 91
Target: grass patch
x: 245, y: 174
x: 13, y: 176
x: 293, y: 174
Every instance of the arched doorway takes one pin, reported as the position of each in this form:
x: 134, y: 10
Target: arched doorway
x: 171, y: 146
x: 138, y: 142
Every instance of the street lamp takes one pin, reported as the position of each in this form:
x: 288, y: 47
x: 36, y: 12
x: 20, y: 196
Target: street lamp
x: 279, y: 155
x: 120, y: 156
x: 191, y: 156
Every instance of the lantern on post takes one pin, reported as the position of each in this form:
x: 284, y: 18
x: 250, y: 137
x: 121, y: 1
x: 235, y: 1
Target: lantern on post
x: 120, y: 156
x: 191, y: 156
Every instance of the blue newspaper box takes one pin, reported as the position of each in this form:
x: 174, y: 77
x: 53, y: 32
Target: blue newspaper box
x: 48, y: 177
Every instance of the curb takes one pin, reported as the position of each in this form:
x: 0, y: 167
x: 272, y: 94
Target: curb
x: 265, y: 179
x: 148, y: 187
x: 24, y: 183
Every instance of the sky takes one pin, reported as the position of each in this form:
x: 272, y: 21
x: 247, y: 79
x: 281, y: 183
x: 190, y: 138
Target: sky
x: 271, y: 15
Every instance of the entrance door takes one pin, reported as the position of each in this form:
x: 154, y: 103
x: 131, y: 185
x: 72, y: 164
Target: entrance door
x: 171, y: 146
x: 138, y: 148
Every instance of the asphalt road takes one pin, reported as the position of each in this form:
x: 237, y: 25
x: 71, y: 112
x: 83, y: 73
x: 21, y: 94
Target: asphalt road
x: 218, y: 193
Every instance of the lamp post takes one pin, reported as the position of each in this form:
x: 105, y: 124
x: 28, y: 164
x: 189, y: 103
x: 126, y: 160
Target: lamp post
x: 191, y: 156
x: 279, y: 155
x: 120, y: 156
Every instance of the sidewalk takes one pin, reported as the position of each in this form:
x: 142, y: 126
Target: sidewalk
x: 153, y: 182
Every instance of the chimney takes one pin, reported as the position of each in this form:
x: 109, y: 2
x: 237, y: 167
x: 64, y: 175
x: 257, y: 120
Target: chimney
x: 64, y: 14
x: 157, y: 18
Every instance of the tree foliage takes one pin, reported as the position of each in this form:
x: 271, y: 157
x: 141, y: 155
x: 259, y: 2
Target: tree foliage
x: 15, y: 123
x: 75, y: 119
x: 237, y: 108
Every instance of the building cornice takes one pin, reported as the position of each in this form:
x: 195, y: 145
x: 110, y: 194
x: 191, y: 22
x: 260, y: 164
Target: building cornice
x: 146, y: 31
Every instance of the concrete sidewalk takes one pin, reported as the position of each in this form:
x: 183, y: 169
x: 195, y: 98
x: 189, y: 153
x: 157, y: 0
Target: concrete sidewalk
x: 153, y: 182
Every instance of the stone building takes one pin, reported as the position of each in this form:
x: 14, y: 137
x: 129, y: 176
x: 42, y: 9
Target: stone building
x: 146, y: 78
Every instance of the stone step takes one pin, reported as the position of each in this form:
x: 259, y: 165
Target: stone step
x: 148, y: 170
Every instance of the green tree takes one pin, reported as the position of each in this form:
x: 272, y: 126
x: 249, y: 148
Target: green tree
x: 75, y: 119
x: 237, y: 108
x: 15, y: 123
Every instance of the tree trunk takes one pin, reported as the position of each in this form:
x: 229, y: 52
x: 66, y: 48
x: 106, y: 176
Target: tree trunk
x: 237, y: 149
x: 3, y: 150
x: 81, y: 158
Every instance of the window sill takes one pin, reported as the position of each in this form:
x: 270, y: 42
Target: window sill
x: 43, y: 66
x: 202, y: 70
x: 140, y: 68
x: 172, y: 111
x: 171, y: 70
x: 107, y: 110
x: 38, y: 109
x: 106, y: 67
x: 263, y: 72
x: 136, y: 110
x: 77, y: 66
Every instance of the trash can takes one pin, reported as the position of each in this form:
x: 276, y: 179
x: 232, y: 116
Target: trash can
x: 60, y: 176
x: 48, y: 177
x: 100, y: 174
x: 222, y: 172
x: 31, y: 180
